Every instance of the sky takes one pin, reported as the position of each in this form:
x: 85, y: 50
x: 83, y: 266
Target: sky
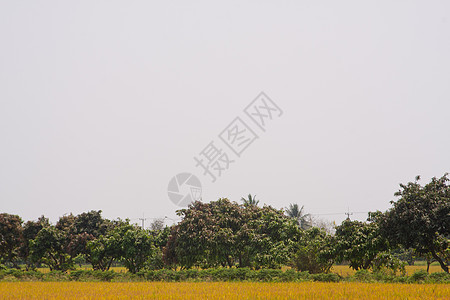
x: 102, y: 103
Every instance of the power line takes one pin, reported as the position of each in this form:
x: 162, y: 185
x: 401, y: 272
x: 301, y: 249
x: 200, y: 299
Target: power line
x: 348, y: 213
x: 340, y: 213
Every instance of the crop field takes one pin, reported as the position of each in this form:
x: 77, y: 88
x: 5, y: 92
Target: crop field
x: 222, y: 290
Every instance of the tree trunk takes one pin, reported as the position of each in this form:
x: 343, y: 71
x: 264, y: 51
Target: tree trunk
x: 230, y: 264
x: 440, y: 261
x: 428, y: 264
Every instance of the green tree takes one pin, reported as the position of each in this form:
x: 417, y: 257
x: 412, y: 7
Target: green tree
x: 30, y: 231
x: 250, y: 200
x: 157, y: 224
x: 313, y: 252
x: 49, y: 247
x: 297, y: 213
x: 81, y: 229
x: 420, y: 219
x: 266, y: 237
x: 206, y: 235
x: 359, y: 243
x: 132, y: 244
x: 223, y: 233
x: 169, y: 255
x: 10, y: 238
x: 104, y: 250
x: 91, y: 223
x: 160, y: 236
x: 137, y: 248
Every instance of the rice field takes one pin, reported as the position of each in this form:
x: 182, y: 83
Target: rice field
x: 220, y: 290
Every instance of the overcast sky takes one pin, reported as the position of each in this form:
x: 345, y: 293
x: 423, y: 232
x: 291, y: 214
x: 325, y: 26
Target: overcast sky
x: 103, y: 102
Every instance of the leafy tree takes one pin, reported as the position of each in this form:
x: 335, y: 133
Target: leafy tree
x: 66, y: 223
x: 223, y: 233
x: 91, y: 223
x: 358, y: 243
x: 406, y: 255
x: 387, y: 261
x: 80, y: 230
x: 49, y: 248
x: 250, y: 200
x: 161, y: 237
x: 30, y: 231
x: 137, y: 248
x: 297, y: 213
x: 169, y: 255
x: 157, y: 224
x: 267, y: 237
x: 10, y: 238
x: 133, y: 245
x: 79, y: 260
x: 106, y: 249
x: 313, y: 251
x: 206, y: 235
x: 160, y: 240
x: 420, y: 219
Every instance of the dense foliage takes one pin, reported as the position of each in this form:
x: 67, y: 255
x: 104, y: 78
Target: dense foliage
x: 225, y: 234
x: 420, y: 219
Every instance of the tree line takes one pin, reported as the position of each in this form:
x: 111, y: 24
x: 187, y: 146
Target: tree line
x: 227, y: 234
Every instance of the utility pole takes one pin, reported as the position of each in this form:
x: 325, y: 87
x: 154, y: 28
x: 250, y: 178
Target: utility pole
x: 348, y: 213
x: 143, y: 221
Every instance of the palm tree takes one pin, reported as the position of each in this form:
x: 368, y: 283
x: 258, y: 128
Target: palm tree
x: 251, y: 201
x: 294, y: 212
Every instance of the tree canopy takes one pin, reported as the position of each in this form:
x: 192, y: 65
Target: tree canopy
x: 420, y: 219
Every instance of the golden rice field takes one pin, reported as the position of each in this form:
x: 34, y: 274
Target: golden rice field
x: 220, y: 290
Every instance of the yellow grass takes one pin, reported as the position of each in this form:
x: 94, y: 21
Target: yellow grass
x: 222, y: 290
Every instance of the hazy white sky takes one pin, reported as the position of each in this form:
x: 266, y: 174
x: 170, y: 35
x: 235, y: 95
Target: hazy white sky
x: 103, y: 102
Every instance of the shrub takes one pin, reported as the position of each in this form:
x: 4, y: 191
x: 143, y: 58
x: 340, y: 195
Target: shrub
x: 363, y: 276
x: 290, y: 275
x: 330, y: 277
x: 313, y: 252
x: 439, y: 277
x: 418, y: 276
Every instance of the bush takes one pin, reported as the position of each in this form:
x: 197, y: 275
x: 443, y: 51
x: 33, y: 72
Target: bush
x: 19, y: 274
x: 220, y: 274
x: 269, y: 275
x: 313, y: 252
x: 330, y: 277
x: 290, y: 275
x: 439, y: 277
x: 418, y: 276
x: 363, y: 276
x: 77, y: 275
